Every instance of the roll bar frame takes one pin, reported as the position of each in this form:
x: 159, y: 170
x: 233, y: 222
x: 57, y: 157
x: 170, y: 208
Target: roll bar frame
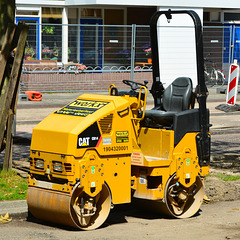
x: 203, y: 138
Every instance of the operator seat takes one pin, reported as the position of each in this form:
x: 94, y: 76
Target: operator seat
x: 176, y: 98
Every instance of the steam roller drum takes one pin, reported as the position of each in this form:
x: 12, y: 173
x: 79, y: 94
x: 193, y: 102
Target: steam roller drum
x: 183, y: 202
x: 179, y: 201
x: 77, y: 210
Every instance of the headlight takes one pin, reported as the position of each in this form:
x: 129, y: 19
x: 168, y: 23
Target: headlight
x: 39, y: 163
x: 57, y: 166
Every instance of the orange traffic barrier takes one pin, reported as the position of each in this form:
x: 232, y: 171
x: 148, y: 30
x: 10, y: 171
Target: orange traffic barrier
x: 34, y: 96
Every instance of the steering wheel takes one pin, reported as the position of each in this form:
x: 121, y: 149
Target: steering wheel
x: 134, y: 85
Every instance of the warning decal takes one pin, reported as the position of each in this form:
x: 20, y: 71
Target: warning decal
x: 81, y: 108
x: 137, y: 158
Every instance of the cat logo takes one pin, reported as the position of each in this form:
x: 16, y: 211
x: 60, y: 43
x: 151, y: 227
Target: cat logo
x: 83, y: 142
x: 90, y: 137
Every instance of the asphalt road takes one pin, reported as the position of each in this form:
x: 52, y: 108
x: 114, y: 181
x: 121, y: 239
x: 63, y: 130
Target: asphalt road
x: 215, y: 221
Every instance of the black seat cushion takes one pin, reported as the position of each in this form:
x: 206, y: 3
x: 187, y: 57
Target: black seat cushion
x: 176, y: 98
x: 175, y: 113
x: 177, y: 95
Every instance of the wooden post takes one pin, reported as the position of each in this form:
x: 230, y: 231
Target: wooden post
x: 6, y: 48
x: 5, y: 73
x: 9, y: 88
x: 7, y: 164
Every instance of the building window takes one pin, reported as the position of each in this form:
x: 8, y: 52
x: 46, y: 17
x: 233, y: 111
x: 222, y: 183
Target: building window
x: 52, y: 33
x: 73, y: 35
x: 52, y: 13
x: 215, y: 16
x: 231, y: 17
x: 89, y: 12
x: 22, y: 13
x: 206, y: 16
x: 120, y: 50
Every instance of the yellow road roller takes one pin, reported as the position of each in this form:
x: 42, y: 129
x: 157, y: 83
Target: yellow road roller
x: 102, y: 150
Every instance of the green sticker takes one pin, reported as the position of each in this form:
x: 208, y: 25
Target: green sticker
x: 188, y: 161
x: 93, y: 169
x: 122, y: 137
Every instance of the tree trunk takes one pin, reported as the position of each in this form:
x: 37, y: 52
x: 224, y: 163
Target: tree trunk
x: 7, y: 15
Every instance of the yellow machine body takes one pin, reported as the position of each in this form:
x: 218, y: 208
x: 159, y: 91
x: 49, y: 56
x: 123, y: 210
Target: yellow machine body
x: 157, y: 160
x: 102, y: 150
x: 96, y: 141
x: 104, y: 154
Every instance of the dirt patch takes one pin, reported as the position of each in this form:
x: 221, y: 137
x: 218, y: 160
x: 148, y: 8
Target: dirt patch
x: 218, y: 190
x: 215, y: 188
